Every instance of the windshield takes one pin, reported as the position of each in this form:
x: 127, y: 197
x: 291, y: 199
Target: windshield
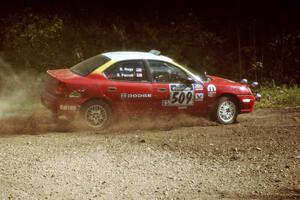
x: 202, y: 76
x: 87, y: 66
x: 198, y: 75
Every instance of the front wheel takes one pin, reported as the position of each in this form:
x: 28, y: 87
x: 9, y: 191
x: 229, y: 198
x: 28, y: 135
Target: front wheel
x: 96, y: 114
x: 226, y: 110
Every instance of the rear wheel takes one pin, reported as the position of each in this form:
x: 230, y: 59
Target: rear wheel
x: 96, y: 114
x: 226, y: 110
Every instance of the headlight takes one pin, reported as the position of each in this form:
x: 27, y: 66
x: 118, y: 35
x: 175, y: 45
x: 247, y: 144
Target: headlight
x: 258, y: 96
x: 244, y: 81
x: 254, y: 84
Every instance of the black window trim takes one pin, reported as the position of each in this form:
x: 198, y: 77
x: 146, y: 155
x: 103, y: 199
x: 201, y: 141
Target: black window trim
x: 131, y: 81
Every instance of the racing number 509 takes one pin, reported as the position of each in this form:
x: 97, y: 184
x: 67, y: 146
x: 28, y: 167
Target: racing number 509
x: 181, y: 97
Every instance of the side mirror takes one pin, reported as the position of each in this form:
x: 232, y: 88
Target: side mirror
x: 188, y: 81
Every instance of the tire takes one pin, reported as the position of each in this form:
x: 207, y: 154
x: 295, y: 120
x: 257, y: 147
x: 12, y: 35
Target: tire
x: 96, y: 114
x: 225, y: 111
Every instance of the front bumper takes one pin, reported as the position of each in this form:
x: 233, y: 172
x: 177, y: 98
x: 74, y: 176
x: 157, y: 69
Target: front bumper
x: 246, y: 103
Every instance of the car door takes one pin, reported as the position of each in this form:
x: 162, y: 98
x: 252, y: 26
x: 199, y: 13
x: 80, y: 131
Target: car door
x: 128, y: 86
x: 173, y: 89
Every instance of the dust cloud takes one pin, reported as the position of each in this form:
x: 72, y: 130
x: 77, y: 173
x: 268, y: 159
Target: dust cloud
x: 22, y: 113
x: 161, y: 122
x: 16, y: 90
x: 20, y: 110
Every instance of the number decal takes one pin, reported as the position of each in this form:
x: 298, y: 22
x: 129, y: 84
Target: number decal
x: 182, y: 98
x: 174, y: 98
x: 181, y: 95
x: 189, y: 97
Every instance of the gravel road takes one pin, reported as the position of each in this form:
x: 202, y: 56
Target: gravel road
x: 256, y: 158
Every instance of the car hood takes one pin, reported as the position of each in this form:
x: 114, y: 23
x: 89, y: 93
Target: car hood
x: 222, y: 81
x: 229, y: 86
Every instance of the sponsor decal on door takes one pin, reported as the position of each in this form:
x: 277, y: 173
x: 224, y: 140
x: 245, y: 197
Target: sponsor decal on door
x: 180, y: 95
x: 199, y: 96
x: 211, y: 90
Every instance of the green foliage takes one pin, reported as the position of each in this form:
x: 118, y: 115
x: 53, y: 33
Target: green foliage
x: 279, y: 96
x: 32, y: 41
x: 40, y: 42
x: 46, y: 40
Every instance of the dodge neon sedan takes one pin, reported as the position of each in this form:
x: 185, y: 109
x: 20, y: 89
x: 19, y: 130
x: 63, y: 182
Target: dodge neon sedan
x: 106, y: 85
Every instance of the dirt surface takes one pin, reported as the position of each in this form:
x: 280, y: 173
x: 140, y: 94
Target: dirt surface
x: 256, y: 158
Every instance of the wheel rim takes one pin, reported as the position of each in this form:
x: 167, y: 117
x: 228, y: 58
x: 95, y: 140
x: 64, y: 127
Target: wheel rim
x: 227, y: 111
x: 96, y: 116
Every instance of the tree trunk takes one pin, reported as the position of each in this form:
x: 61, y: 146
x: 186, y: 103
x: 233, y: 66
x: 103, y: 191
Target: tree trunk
x: 239, y: 51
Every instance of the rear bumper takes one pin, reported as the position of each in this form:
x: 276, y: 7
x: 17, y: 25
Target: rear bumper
x: 246, y: 103
x: 61, y: 105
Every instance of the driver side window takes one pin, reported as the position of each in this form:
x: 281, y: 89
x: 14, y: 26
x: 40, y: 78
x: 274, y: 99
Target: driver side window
x: 164, y: 72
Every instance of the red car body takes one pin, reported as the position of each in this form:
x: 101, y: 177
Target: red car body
x: 66, y: 92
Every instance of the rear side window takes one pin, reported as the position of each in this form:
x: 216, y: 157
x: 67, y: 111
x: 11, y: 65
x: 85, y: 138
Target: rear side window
x: 133, y: 70
x: 87, y: 66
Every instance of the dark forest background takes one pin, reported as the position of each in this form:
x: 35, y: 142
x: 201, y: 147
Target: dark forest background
x: 258, y: 40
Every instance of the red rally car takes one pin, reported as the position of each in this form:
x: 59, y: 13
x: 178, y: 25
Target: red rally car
x: 112, y: 83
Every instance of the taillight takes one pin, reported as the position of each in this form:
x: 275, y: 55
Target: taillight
x: 60, y: 89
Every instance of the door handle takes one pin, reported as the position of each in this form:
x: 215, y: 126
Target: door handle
x: 111, y: 89
x: 162, y: 89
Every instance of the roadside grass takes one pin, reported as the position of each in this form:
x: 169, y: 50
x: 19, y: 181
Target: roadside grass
x: 274, y: 97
